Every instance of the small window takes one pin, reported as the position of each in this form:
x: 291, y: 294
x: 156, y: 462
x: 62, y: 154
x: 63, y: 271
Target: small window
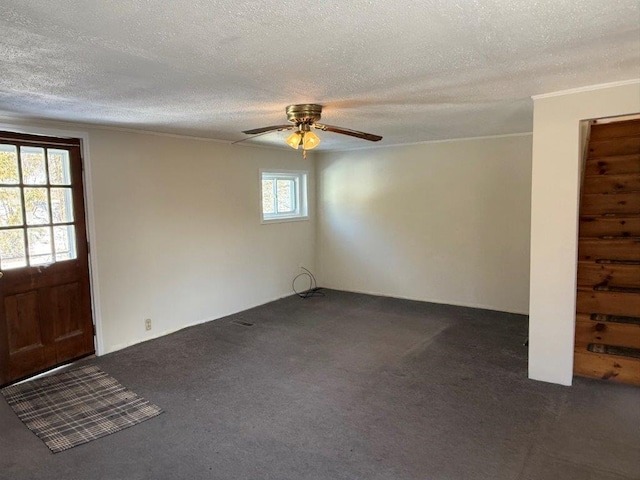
x: 284, y: 195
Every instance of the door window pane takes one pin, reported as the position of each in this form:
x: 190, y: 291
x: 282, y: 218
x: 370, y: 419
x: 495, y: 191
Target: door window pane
x: 12, y: 249
x: 62, y: 205
x: 36, y: 204
x: 33, y: 166
x: 64, y: 239
x: 40, y: 251
x: 59, y: 170
x: 10, y: 207
x: 9, y: 165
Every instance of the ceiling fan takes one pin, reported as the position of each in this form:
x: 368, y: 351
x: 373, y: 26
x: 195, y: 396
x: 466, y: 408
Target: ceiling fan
x: 302, y: 119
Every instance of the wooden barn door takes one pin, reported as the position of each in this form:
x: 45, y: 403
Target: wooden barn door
x: 607, y: 344
x: 45, y: 304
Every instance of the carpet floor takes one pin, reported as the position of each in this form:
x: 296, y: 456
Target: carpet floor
x: 347, y: 386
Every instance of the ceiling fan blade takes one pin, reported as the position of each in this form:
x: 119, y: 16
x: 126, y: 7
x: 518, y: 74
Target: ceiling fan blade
x: 346, y: 131
x: 251, y: 138
x: 255, y: 131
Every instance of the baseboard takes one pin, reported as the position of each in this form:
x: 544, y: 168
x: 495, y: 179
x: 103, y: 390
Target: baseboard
x: 137, y: 341
x: 439, y: 302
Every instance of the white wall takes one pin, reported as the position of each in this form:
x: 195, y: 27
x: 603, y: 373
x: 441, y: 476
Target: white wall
x: 179, y: 238
x: 441, y: 222
x: 177, y: 232
x: 554, y: 220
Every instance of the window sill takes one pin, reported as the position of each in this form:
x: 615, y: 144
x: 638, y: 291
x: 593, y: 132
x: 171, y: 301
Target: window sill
x: 265, y: 221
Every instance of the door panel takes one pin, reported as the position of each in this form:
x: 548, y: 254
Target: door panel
x: 45, y: 303
x: 69, y: 335
x: 65, y: 306
x: 22, y: 319
x: 26, y: 339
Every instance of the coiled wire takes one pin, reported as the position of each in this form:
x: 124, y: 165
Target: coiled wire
x: 312, y: 291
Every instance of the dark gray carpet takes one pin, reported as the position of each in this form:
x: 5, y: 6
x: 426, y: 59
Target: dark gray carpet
x: 348, y: 386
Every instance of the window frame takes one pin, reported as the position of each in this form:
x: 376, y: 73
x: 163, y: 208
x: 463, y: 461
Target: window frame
x: 23, y: 146
x: 299, y: 177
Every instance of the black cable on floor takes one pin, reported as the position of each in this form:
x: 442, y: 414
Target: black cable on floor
x: 312, y: 291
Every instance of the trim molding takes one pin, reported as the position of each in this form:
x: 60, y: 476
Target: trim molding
x: 587, y: 88
x: 425, y: 142
x: 478, y: 306
x: 58, y: 125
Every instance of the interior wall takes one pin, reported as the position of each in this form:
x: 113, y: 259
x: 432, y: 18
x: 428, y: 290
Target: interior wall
x: 177, y: 232
x: 442, y: 222
x: 554, y: 220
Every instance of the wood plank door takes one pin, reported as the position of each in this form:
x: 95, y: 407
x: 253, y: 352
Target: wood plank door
x: 45, y: 303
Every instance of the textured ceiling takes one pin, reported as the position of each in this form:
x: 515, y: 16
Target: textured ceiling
x: 410, y: 71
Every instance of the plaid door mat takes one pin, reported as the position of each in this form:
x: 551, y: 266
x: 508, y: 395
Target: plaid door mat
x: 77, y: 406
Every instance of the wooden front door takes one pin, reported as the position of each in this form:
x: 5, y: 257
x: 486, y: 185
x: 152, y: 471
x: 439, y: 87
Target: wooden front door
x: 45, y: 303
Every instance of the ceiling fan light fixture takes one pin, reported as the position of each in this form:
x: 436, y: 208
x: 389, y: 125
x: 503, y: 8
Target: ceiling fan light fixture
x: 303, y: 118
x: 310, y: 141
x: 294, y: 140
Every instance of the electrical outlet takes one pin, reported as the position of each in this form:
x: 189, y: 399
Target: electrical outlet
x: 147, y: 324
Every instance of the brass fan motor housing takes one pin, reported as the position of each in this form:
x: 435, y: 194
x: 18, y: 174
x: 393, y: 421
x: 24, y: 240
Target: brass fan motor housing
x: 306, y: 113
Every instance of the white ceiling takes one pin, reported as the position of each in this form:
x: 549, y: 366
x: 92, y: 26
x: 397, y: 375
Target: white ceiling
x: 411, y: 71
